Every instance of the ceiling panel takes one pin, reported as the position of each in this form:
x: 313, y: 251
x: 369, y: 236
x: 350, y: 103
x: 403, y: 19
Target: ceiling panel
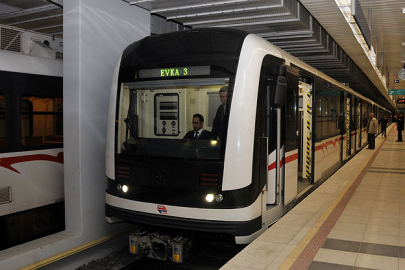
x: 35, y: 15
x: 316, y: 31
x: 295, y: 26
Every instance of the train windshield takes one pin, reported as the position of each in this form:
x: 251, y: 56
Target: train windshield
x: 176, y: 118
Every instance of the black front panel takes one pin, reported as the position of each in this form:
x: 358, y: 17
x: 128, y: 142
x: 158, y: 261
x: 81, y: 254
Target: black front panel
x: 186, y: 183
x: 236, y: 228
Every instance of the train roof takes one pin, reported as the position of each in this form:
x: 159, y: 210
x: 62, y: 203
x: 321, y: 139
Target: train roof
x: 184, y: 46
x: 178, y: 47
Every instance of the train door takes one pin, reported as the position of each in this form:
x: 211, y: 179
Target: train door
x: 342, y: 125
x: 305, y: 136
x: 353, y: 126
x: 347, y: 137
x: 292, y: 135
x: 358, y: 124
x: 364, y: 121
x: 276, y: 127
x: 269, y: 131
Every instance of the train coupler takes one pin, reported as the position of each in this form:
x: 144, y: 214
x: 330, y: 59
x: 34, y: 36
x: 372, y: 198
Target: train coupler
x: 159, y: 246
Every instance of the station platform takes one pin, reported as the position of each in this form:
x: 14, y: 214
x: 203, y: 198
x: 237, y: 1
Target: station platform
x: 354, y: 220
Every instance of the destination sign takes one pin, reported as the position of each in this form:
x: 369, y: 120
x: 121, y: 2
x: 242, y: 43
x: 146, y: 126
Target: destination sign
x: 174, y: 72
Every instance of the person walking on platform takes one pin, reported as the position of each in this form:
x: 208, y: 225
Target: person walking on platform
x: 383, y: 123
x: 400, y: 126
x: 372, y: 128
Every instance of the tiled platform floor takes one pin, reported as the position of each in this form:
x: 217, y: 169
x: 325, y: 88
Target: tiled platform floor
x: 355, y: 220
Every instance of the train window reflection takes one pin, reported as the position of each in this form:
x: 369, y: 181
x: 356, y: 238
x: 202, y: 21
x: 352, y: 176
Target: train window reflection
x: 2, y: 122
x: 155, y: 118
x: 41, y: 121
x: 327, y: 114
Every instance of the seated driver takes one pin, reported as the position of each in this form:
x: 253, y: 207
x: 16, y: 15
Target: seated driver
x: 199, y: 133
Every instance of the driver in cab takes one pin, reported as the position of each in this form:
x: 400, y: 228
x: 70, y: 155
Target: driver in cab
x: 199, y: 133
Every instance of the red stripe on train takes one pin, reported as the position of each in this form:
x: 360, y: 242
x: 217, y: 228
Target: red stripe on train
x: 9, y: 161
x: 335, y: 142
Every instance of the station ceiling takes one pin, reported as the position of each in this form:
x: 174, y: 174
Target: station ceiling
x: 316, y: 31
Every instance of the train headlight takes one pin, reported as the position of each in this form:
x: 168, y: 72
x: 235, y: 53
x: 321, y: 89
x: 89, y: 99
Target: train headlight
x: 219, y: 198
x: 209, y: 197
x: 125, y: 188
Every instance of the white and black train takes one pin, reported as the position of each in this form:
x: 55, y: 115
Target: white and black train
x: 278, y: 130
x: 31, y: 149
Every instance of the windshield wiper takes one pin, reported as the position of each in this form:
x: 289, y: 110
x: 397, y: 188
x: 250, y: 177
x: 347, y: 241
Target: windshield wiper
x: 159, y: 173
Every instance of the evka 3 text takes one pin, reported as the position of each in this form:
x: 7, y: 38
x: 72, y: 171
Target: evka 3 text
x: 173, y: 72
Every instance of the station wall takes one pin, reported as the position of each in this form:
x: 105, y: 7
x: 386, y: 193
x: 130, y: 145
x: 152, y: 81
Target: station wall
x: 95, y: 34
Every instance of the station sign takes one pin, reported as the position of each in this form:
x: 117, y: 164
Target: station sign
x: 395, y: 92
x: 396, y: 81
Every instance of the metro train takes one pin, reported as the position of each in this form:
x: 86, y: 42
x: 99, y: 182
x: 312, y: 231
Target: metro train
x: 31, y: 149
x: 286, y: 127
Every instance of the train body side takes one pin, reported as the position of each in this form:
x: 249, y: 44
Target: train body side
x: 31, y: 148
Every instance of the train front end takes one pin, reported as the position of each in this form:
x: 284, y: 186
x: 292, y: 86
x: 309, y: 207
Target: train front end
x: 158, y: 176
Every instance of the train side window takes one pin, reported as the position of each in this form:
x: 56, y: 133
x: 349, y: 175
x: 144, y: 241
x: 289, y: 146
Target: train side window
x: 3, y: 138
x: 41, y: 121
x: 328, y: 108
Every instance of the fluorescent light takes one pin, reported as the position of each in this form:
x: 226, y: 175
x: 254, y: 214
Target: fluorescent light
x: 201, y: 5
x: 247, y: 18
x: 188, y: 15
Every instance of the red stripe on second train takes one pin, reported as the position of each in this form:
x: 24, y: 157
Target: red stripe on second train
x: 9, y: 161
x: 317, y: 148
x: 287, y: 160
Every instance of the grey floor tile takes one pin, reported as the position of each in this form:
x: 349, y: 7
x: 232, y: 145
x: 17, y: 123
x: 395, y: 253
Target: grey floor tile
x: 342, y: 245
x: 322, y: 266
x: 377, y: 249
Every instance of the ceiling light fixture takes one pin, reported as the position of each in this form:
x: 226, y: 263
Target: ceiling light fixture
x: 247, y: 18
x: 198, y: 6
x: 258, y: 23
x: 139, y: 2
x: 403, y: 10
x: 344, y: 6
x: 188, y: 15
